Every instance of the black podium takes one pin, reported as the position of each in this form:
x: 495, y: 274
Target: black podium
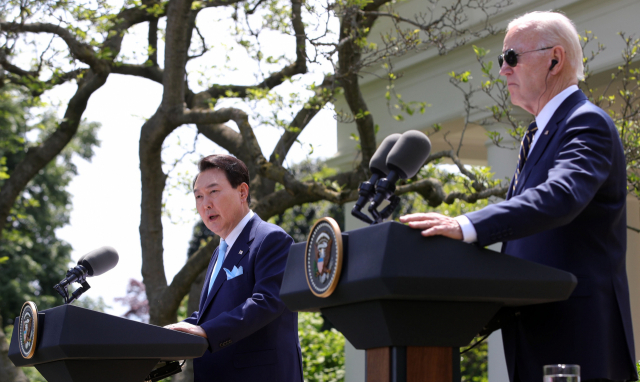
x: 80, y: 345
x: 410, y: 300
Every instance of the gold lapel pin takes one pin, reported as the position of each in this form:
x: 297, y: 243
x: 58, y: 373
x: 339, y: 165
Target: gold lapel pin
x: 546, y: 132
x: 240, y: 252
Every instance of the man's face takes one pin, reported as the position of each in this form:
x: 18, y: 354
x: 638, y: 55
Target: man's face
x: 526, y: 81
x: 220, y: 206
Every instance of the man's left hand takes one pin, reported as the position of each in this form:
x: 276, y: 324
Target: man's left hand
x: 434, y: 224
x: 187, y: 328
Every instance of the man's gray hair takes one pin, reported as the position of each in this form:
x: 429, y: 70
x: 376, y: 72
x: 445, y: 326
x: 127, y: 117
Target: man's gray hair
x: 554, y: 29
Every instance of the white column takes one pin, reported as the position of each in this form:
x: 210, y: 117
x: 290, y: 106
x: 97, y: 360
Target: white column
x: 354, y: 359
x: 503, y: 164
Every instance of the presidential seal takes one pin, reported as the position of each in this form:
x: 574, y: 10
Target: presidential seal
x: 323, y: 257
x: 28, y: 330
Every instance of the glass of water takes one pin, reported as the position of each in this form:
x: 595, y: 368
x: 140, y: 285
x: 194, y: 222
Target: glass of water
x: 561, y: 373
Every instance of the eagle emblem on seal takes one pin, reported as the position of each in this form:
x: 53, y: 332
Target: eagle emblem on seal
x: 323, y: 256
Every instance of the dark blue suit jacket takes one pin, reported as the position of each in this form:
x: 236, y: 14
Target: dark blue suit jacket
x: 568, y: 211
x: 252, y: 335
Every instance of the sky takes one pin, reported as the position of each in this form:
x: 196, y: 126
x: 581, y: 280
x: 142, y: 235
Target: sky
x: 106, y: 191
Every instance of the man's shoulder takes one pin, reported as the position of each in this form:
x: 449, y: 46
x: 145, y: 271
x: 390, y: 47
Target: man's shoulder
x: 264, y: 229
x: 585, y: 113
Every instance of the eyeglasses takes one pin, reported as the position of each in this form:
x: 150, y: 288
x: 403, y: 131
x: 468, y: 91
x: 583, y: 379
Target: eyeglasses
x: 511, y: 57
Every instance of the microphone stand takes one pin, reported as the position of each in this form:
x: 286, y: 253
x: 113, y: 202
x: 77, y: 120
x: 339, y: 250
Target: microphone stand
x: 366, y: 191
x: 385, y: 189
x: 77, y: 274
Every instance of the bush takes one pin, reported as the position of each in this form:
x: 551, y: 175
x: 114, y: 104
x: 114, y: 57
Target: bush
x: 322, y: 351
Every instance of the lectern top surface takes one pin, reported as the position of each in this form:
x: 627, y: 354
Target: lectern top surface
x: 392, y: 261
x: 71, y: 332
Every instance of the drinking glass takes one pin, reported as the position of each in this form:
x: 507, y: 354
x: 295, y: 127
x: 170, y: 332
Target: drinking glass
x: 561, y: 373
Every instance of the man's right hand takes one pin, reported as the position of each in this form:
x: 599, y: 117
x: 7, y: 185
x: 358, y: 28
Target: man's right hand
x: 434, y: 224
x: 187, y: 328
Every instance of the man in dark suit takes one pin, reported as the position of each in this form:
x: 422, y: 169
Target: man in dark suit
x: 565, y: 208
x: 252, y: 335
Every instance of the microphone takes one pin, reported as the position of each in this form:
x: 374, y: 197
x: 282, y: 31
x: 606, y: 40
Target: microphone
x: 378, y: 167
x: 404, y: 161
x: 99, y: 261
x: 93, y: 263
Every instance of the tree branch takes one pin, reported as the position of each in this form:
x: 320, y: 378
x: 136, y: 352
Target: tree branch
x: 9, y: 67
x: 323, y: 94
x: 38, y: 157
x: 79, y: 50
x: 277, y: 78
x: 153, y: 73
x: 432, y: 191
x: 223, y: 136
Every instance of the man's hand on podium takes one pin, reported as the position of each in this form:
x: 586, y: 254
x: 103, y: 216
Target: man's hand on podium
x: 187, y: 328
x: 434, y: 224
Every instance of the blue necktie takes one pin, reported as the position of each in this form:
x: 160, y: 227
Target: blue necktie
x: 221, y: 252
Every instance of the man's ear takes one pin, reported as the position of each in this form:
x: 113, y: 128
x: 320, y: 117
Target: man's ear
x: 558, y: 59
x: 244, y: 191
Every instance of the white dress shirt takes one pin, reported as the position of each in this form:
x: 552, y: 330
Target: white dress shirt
x: 469, y: 233
x: 233, y: 235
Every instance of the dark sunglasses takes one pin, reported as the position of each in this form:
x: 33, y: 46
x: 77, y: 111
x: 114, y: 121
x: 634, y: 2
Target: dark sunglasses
x: 511, y: 57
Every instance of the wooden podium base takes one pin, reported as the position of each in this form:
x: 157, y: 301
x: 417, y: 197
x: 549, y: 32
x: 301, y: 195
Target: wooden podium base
x: 413, y: 364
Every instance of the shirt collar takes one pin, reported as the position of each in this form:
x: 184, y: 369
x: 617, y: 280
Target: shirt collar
x: 233, y: 236
x: 550, y: 108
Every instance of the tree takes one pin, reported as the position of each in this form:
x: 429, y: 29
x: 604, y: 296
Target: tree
x: 86, y: 47
x: 33, y: 258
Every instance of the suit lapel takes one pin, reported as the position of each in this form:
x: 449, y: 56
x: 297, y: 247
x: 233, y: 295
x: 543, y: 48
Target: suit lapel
x: 205, y: 287
x: 233, y: 257
x: 546, y: 136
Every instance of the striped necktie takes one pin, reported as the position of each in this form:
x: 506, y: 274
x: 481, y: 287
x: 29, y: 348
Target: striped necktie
x: 221, y: 252
x: 524, y: 149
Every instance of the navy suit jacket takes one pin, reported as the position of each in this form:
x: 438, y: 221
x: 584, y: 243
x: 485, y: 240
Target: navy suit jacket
x: 252, y: 335
x: 568, y: 211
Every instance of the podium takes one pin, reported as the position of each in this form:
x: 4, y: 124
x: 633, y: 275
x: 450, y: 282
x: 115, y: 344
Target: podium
x: 411, y: 301
x: 80, y: 345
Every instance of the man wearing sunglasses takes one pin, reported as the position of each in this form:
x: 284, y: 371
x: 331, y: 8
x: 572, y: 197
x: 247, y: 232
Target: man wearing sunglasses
x: 565, y: 208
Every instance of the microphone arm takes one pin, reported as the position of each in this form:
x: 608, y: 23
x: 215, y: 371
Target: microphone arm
x: 365, y: 191
x: 77, y: 274
x: 385, y: 189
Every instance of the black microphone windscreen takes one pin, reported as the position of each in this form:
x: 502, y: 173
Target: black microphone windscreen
x: 99, y: 261
x: 378, y: 161
x: 409, y: 153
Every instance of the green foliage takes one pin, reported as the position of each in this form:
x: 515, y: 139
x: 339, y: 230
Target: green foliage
x: 35, y: 259
x: 408, y: 108
x: 322, y: 351
x: 473, y: 364
x: 622, y: 104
